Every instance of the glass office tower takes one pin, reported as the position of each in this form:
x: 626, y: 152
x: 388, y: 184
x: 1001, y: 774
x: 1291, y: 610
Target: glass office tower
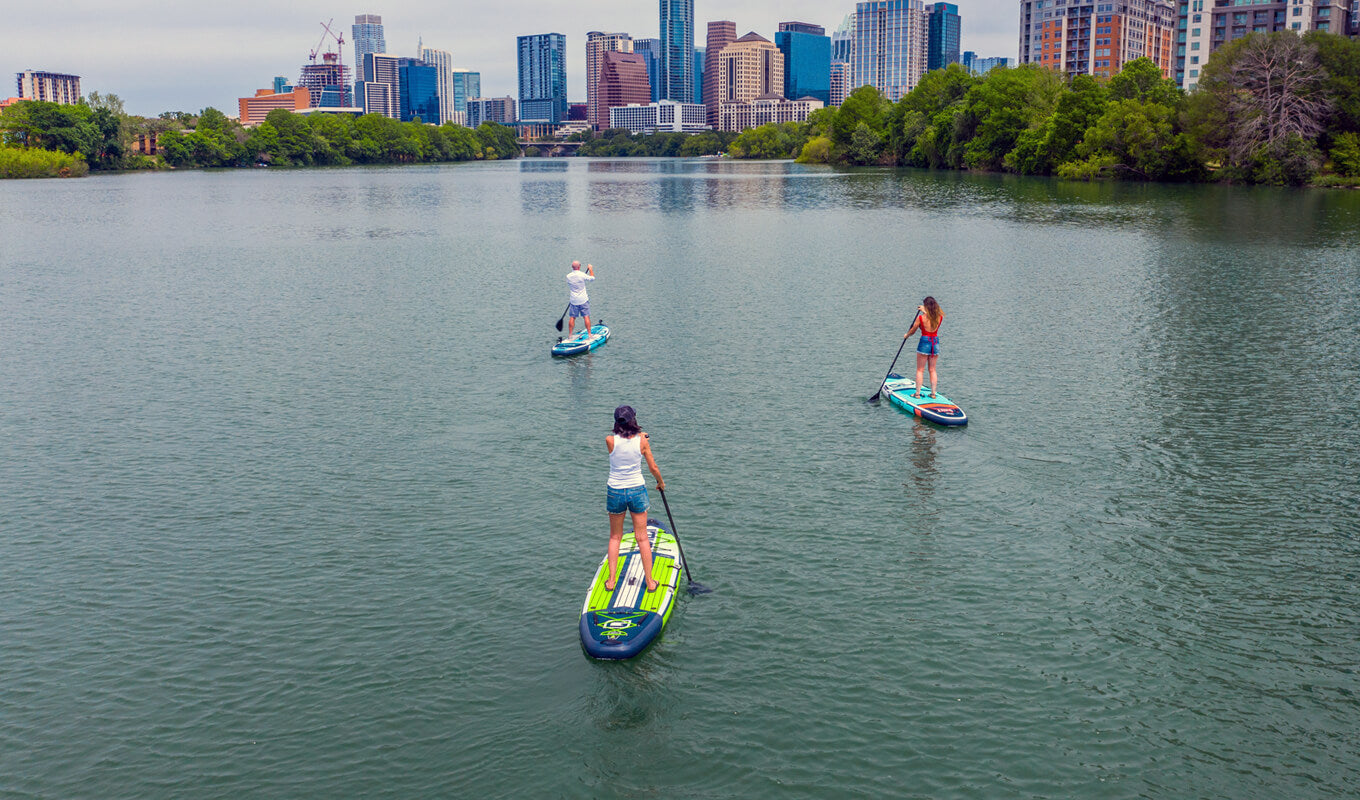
x: 807, y: 60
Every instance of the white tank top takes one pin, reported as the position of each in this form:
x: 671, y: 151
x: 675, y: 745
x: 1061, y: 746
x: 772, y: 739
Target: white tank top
x: 625, y: 462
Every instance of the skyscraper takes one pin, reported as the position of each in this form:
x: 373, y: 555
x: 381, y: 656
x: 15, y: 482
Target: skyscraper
x: 442, y: 61
x: 890, y: 45
x: 623, y: 80
x: 699, y: 75
x: 379, y: 89
x: 807, y: 60
x: 721, y: 33
x: 597, y: 44
x: 367, y: 35
x: 677, y: 50
x: 749, y: 68
x: 1203, y: 27
x: 1100, y: 40
x: 942, y: 34
x: 466, y: 85
x: 418, y: 91
x: 843, y: 40
x: 650, y: 50
x: 543, y: 78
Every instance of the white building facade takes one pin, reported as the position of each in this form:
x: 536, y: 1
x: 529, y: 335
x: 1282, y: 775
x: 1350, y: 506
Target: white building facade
x: 663, y: 116
x: 740, y: 116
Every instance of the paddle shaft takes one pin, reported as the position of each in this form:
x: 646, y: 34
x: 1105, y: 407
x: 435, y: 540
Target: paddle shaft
x: 671, y: 519
x: 894, y: 361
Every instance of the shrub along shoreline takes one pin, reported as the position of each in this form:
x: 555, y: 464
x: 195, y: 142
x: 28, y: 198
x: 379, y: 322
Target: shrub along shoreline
x: 42, y: 139
x: 1136, y: 126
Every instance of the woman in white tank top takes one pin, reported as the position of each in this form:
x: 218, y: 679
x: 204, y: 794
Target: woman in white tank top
x: 627, y: 491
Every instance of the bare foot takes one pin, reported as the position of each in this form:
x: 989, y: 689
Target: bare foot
x: 610, y: 583
x: 652, y: 586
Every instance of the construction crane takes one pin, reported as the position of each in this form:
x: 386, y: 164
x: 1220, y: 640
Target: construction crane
x: 327, y: 32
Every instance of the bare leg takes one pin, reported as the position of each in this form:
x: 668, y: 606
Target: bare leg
x: 644, y: 548
x: 933, y: 381
x: 587, y: 328
x: 571, y: 326
x: 615, y: 535
x: 920, y: 368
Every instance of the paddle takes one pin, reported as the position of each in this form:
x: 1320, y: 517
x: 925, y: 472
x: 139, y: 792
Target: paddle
x: 874, y: 399
x: 564, y: 316
x: 694, y: 588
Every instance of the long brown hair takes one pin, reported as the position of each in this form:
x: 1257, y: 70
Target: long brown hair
x: 933, y: 313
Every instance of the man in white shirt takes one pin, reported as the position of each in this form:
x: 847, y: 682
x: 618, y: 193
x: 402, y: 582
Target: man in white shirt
x: 578, y: 301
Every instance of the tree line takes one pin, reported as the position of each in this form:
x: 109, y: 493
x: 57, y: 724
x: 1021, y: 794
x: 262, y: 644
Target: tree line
x: 1269, y: 108
x: 620, y: 142
x: 43, y: 139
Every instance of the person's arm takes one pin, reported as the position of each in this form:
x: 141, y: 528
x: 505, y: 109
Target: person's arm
x: 651, y: 463
x: 609, y: 443
x: 915, y: 323
x: 589, y: 274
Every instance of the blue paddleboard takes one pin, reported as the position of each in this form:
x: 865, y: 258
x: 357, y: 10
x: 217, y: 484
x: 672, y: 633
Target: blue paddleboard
x: 939, y: 409
x: 582, y: 342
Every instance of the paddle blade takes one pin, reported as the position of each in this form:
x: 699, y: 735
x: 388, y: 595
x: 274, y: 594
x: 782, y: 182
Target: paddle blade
x: 698, y: 588
x: 559, y: 323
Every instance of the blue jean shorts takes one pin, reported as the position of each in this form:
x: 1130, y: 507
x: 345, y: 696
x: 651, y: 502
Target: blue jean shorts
x: 634, y: 499
x: 928, y: 347
x: 582, y: 310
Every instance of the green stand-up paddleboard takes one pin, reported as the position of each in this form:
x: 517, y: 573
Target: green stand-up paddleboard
x: 621, y: 623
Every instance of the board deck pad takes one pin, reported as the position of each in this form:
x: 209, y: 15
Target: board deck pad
x: 582, y: 342
x: 620, y: 624
x: 938, y: 409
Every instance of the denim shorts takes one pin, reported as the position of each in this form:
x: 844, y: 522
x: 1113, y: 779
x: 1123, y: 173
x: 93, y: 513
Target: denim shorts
x: 582, y: 310
x: 928, y: 347
x: 634, y: 499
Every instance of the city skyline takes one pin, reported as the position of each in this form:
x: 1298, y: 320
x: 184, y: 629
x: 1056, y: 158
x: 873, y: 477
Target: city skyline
x: 184, y: 59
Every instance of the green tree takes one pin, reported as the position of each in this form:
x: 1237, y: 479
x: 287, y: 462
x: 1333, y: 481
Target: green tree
x: 1039, y: 150
x: 1003, y: 106
x: 1346, y: 154
x: 1141, y: 79
x: 1134, y: 140
x: 865, y: 105
x: 866, y: 145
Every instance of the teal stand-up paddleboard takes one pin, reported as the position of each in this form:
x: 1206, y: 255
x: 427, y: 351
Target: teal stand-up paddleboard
x: 621, y: 623
x: 583, y: 342
x: 938, y: 409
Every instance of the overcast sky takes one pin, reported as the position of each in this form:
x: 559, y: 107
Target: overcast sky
x: 163, y: 56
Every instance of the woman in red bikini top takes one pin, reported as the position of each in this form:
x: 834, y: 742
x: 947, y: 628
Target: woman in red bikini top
x: 928, y: 320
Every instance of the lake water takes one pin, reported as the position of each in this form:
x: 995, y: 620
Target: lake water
x: 294, y: 503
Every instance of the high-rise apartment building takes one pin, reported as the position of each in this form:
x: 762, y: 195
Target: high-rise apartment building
x: 943, y: 26
x: 677, y: 50
x: 807, y: 60
x: 329, y: 82
x: 721, y: 33
x: 491, y: 109
x: 367, y: 36
x: 379, y: 89
x: 748, y: 68
x: 650, y: 50
x: 52, y: 87
x: 890, y: 45
x: 597, y: 44
x: 842, y: 59
x: 1203, y: 26
x: 467, y: 84
x: 1097, y: 39
x: 543, y: 78
x: 623, y: 81
x: 442, y: 61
